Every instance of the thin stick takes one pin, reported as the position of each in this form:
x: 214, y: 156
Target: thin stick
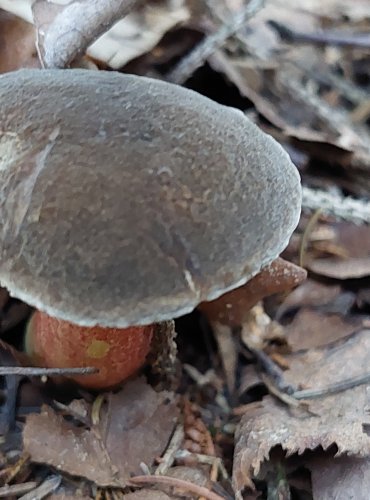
x: 200, y: 54
x: 50, y: 484
x: 273, y: 371
x: 307, y: 234
x: 283, y: 396
x: 29, y: 371
x: 176, y: 483
x: 170, y: 454
x: 16, y: 489
x: 325, y: 37
x: 78, y: 26
x: 341, y: 386
x: 203, y: 459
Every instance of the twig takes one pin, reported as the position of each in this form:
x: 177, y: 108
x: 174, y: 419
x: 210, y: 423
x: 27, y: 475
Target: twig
x: 96, y: 408
x: 17, y: 489
x: 48, y: 486
x: 203, y: 459
x: 307, y: 234
x: 78, y: 26
x: 282, y: 396
x: 273, y: 371
x: 225, y: 340
x: 341, y: 386
x: 345, y: 208
x: 29, y: 371
x: 170, y: 454
x: 324, y: 37
x: 176, y: 483
x: 205, y: 49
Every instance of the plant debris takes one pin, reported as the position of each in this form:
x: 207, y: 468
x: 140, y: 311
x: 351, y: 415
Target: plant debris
x: 133, y: 426
x: 266, y: 393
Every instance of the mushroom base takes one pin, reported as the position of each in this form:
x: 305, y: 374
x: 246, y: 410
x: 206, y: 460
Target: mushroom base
x: 117, y: 353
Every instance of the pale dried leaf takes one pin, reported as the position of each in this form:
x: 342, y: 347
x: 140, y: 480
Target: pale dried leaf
x: 341, y: 419
x: 49, y: 439
x: 147, y: 494
x: 341, y: 269
x: 353, y: 239
x: 46, y: 487
x: 190, y: 474
x: 129, y: 38
x: 137, y: 420
x: 314, y: 329
x: 228, y: 351
x: 20, y: 8
x: 258, y: 328
x: 249, y: 379
x: 17, y: 43
x: 344, y: 477
x: 309, y: 294
x: 138, y: 33
x: 306, y: 15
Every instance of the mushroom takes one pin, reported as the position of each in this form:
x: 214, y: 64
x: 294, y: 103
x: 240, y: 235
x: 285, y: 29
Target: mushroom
x: 127, y: 201
x: 232, y: 307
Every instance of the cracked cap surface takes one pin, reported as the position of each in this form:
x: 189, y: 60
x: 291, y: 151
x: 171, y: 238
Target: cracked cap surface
x: 126, y: 200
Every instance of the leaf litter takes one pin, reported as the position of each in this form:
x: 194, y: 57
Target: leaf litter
x: 339, y: 420
x: 134, y: 426
x: 286, y: 70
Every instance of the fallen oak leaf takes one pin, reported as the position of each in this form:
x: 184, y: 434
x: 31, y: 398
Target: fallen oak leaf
x: 338, y: 419
x: 343, y: 477
x: 133, y: 427
x: 64, y: 33
x: 341, y: 269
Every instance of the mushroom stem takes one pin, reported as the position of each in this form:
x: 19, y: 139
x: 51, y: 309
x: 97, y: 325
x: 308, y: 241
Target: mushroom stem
x: 117, y: 353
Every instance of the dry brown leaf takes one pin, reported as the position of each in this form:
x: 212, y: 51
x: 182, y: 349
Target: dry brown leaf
x: 258, y: 329
x: 354, y: 243
x: 249, y: 379
x: 341, y: 419
x: 135, y: 427
x: 147, y: 494
x: 341, y: 269
x: 17, y: 43
x: 190, y: 474
x: 309, y: 294
x: 314, y: 329
x: 50, y: 439
x: 352, y: 239
x: 138, y: 33
x: 284, y: 81
x: 343, y: 477
x: 283, y: 99
x: 129, y: 38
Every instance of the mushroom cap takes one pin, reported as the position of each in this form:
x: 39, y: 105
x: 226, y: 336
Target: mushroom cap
x: 126, y: 200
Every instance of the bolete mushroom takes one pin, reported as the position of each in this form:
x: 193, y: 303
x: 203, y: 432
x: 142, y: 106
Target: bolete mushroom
x: 126, y: 201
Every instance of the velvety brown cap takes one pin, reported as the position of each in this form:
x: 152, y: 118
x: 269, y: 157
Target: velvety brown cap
x: 126, y: 200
